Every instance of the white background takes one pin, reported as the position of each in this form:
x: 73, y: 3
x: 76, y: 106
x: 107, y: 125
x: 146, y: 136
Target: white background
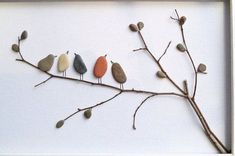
x: 164, y: 124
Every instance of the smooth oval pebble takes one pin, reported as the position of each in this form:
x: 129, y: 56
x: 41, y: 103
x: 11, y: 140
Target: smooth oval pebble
x: 201, y: 68
x: 118, y: 73
x: 87, y: 114
x: 100, y: 67
x: 15, y: 48
x: 24, y: 35
x: 59, y: 123
x: 140, y: 25
x: 180, y: 47
x: 182, y: 20
x: 133, y: 27
x: 63, y: 63
x: 46, y: 63
x: 79, y: 65
x: 160, y: 74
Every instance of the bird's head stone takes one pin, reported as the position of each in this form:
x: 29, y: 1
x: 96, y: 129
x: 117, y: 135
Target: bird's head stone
x: 67, y: 52
x: 52, y: 56
x: 105, y: 55
x: 75, y: 54
x: 112, y: 62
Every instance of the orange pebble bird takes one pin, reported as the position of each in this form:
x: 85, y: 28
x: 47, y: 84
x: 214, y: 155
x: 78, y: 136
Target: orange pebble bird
x: 100, y: 68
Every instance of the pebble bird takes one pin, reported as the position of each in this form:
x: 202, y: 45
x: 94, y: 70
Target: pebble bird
x: 63, y: 63
x: 100, y: 68
x: 79, y: 65
x: 118, y: 74
x: 46, y: 63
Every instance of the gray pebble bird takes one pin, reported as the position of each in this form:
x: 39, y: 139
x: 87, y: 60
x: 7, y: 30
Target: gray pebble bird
x: 46, y: 63
x: 79, y: 65
x: 118, y: 74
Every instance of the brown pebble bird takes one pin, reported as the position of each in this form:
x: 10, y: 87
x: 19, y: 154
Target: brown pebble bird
x: 118, y: 74
x: 100, y: 68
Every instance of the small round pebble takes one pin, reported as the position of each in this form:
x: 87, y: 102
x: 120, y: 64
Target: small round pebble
x: 201, y: 68
x: 87, y: 114
x: 15, y: 48
x: 180, y: 47
x: 59, y: 123
x: 160, y: 74
x: 140, y: 25
x: 133, y: 27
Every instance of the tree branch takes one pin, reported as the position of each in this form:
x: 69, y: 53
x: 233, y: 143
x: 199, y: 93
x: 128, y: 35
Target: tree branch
x: 159, y: 64
x: 99, y: 84
x: 44, y: 81
x: 188, y: 54
x: 134, y: 116
x: 96, y: 105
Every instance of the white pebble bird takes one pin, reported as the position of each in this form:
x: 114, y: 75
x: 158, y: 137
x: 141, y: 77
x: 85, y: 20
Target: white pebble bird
x: 63, y: 63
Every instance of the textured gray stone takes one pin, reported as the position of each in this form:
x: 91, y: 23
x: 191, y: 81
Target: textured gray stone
x: 46, y: 63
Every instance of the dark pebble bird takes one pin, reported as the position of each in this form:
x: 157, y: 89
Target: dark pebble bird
x: 46, y: 63
x: 79, y: 65
x: 118, y: 74
x: 100, y: 68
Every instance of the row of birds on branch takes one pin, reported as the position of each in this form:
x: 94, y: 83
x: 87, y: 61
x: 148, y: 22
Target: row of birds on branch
x: 99, y: 70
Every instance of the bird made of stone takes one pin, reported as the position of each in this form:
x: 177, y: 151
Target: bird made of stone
x: 46, y: 63
x: 63, y: 63
x: 79, y: 65
x: 100, y: 68
x: 118, y: 74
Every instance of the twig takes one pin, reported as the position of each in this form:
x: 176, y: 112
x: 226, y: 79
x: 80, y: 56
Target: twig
x: 139, y: 49
x: 212, y: 137
x: 186, y: 86
x: 164, y: 51
x: 44, y: 81
x: 134, y: 116
x: 96, y: 105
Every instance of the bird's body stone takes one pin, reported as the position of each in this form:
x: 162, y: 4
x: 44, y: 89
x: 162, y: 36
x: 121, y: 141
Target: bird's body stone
x: 100, y: 67
x: 46, y: 63
x: 63, y: 63
x: 118, y: 73
x: 79, y: 65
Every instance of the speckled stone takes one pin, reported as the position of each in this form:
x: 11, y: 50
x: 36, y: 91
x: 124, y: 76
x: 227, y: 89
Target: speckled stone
x: 79, y: 64
x: 87, y: 114
x: 201, y: 68
x: 140, y: 25
x: 59, y: 124
x: 118, y: 73
x: 180, y: 47
x: 63, y: 62
x: 160, y: 74
x: 46, y: 63
x: 133, y: 27
x: 182, y: 20
x: 15, y: 48
x: 24, y: 35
